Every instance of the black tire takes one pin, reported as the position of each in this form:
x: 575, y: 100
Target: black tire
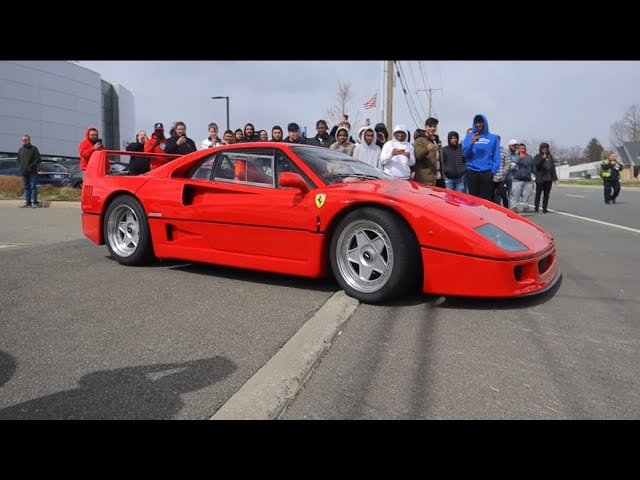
x: 375, y: 256
x: 126, y: 232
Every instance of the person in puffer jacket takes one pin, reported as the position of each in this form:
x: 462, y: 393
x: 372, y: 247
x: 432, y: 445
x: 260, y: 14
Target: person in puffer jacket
x: 398, y: 154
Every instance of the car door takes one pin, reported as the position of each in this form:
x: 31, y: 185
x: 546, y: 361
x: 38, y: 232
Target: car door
x: 240, y: 210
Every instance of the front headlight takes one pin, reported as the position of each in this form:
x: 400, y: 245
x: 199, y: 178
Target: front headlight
x: 500, y: 238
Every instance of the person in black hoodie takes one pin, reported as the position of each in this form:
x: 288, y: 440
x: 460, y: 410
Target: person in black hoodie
x: 179, y: 143
x: 322, y: 139
x: 382, y: 134
x: 138, y: 165
x: 455, y: 166
x: 545, y: 172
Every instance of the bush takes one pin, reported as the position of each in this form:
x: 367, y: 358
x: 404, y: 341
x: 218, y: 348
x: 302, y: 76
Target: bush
x: 10, y: 186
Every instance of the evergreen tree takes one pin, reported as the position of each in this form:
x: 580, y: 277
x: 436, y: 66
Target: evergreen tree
x: 594, y: 151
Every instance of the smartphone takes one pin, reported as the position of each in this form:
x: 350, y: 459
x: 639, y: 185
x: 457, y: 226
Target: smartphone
x: 99, y: 141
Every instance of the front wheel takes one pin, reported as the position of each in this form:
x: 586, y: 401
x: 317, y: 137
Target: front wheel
x: 374, y: 255
x: 126, y: 232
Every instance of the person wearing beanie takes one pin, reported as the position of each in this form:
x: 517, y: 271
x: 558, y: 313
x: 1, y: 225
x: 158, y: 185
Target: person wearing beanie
x: 481, y: 150
x: 322, y: 138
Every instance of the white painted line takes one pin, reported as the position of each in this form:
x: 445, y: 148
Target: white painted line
x: 621, y: 227
x: 575, y: 196
x: 267, y: 394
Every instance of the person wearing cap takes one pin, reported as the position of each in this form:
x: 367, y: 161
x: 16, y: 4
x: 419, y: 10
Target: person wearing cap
x: 481, y: 150
x: 156, y: 144
x: 294, y: 134
x: 322, y: 138
x: 545, y: 172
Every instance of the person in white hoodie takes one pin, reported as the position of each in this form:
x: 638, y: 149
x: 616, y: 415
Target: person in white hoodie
x: 398, y: 154
x: 366, y: 149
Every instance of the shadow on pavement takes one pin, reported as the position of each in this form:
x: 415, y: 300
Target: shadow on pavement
x: 130, y: 393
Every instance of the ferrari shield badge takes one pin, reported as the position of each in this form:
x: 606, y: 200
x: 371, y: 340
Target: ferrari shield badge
x: 320, y: 198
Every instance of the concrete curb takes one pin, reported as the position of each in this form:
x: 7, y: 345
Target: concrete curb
x: 45, y: 203
x: 267, y: 394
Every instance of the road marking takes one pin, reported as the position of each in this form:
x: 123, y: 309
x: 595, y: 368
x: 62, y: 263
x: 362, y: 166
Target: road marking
x: 576, y: 196
x: 11, y: 245
x: 621, y: 227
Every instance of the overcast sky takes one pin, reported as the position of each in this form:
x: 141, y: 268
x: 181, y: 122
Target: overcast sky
x: 564, y: 102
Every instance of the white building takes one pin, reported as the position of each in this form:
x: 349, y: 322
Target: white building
x: 566, y: 172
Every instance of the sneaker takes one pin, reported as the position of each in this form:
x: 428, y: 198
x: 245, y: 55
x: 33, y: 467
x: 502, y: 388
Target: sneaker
x: 545, y: 211
x: 26, y: 205
x: 613, y: 201
x: 35, y: 205
x: 607, y: 202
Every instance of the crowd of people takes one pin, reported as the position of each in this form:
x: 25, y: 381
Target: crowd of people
x: 477, y: 165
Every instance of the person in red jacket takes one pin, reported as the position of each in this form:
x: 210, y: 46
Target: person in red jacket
x: 156, y: 144
x: 90, y: 144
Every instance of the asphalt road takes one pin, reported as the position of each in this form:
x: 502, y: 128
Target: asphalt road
x: 82, y: 337
x: 570, y: 355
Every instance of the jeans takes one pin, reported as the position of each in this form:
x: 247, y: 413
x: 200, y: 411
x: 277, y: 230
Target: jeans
x: 30, y: 190
x: 457, y: 184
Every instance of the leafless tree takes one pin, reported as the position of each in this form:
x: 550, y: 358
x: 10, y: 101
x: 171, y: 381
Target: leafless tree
x: 344, y: 96
x: 627, y: 129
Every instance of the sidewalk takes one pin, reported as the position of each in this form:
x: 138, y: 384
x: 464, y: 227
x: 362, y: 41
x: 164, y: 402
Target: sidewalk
x: 44, y: 204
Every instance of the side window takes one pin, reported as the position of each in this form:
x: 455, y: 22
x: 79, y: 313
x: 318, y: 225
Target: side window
x: 285, y: 164
x: 203, y: 170
x: 250, y: 168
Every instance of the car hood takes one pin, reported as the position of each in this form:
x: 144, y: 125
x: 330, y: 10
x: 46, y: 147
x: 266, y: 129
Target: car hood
x: 445, y: 219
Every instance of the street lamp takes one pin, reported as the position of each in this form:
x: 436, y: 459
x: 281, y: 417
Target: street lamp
x: 227, y: 99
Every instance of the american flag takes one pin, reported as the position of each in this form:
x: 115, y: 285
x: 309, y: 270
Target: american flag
x: 371, y: 102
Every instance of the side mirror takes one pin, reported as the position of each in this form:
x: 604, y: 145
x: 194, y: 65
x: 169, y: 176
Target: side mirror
x: 293, y: 180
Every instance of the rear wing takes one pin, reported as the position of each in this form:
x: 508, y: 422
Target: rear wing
x: 104, y: 162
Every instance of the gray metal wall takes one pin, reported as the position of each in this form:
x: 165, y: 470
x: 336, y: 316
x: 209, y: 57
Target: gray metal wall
x: 55, y: 102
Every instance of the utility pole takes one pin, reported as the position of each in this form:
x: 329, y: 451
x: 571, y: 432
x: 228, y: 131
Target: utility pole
x: 390, y: 95
x: 429, y: 92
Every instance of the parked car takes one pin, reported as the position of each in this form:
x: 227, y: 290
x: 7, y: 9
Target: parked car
x: 52, y: 173
x: 9, y: 166
x: 75, y: 174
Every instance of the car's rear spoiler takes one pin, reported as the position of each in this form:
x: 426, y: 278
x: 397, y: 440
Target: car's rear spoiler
x: 99, y: 161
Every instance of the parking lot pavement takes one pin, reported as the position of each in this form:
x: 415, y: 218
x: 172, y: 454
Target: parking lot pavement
x: 45, y: 204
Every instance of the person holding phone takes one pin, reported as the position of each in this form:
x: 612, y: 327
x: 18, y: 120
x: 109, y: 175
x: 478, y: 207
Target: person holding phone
x: 88, y: 145
x: 179, y: 143
x: 481, y: 150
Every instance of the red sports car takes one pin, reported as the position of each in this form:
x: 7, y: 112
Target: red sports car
x: 310, y: 211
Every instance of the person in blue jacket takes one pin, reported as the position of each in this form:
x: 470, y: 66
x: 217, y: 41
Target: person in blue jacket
x: 481, y: 150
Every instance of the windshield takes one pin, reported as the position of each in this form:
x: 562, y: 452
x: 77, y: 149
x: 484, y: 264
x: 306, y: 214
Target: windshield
x: 336, y: 167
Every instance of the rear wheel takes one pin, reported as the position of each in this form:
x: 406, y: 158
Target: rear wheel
x: 126, y: 232
x: 374, y: 255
